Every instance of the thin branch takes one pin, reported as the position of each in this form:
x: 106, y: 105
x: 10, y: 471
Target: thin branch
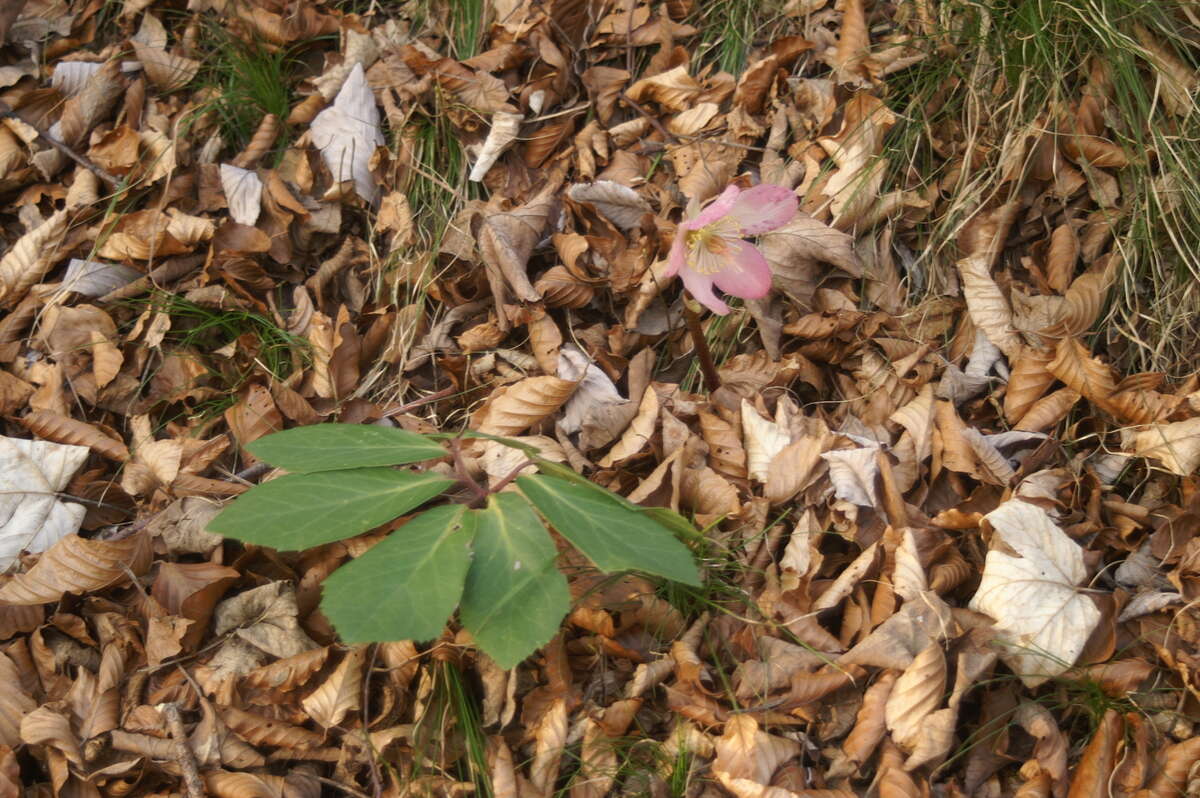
x: 712, y: 380
x: 7, y: 111
x: 193, y: 785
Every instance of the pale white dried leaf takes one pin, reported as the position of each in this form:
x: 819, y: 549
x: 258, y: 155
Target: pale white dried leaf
x: 32, y: 518
x: 620, y: 204
x: 763, y: 440
x: 989, y: 309
x: 1175, y: 445
x: 243, y: 193
x: 853, y: 473
x: 1041, y: 618
x: 71, y: 76
x: 347, y: 134
x: 93, y: 278
x: 908, y: 575
x: 501, y: 135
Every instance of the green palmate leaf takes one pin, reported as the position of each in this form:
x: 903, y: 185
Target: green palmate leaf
x: 612, y: 535
x: 515, y: 597
x: 299, y: 511
x: 332, y: 447
x: 405, y: 587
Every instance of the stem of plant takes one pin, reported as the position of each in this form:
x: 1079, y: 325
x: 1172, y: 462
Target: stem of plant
x: 712, y: 380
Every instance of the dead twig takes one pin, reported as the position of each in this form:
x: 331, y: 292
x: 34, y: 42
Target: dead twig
x: 113, y: 182
x: 193, y: 785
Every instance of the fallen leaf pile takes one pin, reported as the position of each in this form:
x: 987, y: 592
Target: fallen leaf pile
x: 950, y: 549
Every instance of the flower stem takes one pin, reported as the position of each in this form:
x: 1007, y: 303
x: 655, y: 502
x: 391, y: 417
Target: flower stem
x: 712, y: 380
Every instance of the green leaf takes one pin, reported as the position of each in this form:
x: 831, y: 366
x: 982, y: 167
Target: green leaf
x: 515, y: 597
x: 299, y: 511
x: 613, y: 536
x: 332, y: 447
x: 407, y: 586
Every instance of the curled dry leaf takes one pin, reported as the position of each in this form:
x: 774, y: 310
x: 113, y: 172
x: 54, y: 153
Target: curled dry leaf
x: 64, y: 429
x: 79, y: 565
x: 243, y: 192
x: 341, y: 692
x: 620, y: 204
x: 501, y: 135
x: 30, y: 258
x: 1095, y: 768
x: 870, y: 723
x: 917, y: 693
x: 763, y: 440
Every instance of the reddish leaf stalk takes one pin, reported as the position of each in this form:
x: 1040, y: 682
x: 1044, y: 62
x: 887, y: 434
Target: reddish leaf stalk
x: 712, y: 380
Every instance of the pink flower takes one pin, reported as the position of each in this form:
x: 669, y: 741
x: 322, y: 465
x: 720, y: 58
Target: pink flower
x: 709, y: 249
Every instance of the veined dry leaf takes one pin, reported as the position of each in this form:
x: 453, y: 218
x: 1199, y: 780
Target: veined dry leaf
x: 506, y: 241
x: 763, y: 439
x: 853, y: 45
x: 1175, y: 445
x: 620, y: 204
x: 550, y: 739
x: 674, y: 90
x: 796, y: 250
x: 638, y: 433
x: 989, y: 309
x: 917, y: 693
x: 893, y: 781
x: 596, y: 410
x: 78, y: 565
x: 1176, y: 763
x: 1048, y: 411
x: 725, y: 452
x: 340, y: 693
x: 991, y: 465
x: 856, y: 149
x: 870, y: 723
x: 29, y: 259
x: 790, y: 470
x: 514, y: 408
x: 562, y: 289
x: 1176, y: 79
x: 853, y: 473
x: 166, y: 71
x: 1042, y: 619
x: 917, y: 418
x: 1061, y: 257
x: 1081, y: 372
x: 347, y: 134
x: 34, y: 520
x: 708, y: 493
x: 744, y: 752
x: 502, y: 133
x: 1051, y: 748
x: 1082, y: 302
x: 1028, y: 382
x: 64, y: 429
x: 1094, y: 771
x: 243, y: 192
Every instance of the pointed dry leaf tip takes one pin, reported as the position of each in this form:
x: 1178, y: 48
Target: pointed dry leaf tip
x: 709, y: 250
x: 347, y: 134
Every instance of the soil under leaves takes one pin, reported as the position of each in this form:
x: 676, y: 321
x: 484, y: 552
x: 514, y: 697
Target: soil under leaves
x: 949, y: 546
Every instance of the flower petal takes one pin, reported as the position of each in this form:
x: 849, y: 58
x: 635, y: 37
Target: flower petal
x: 715, y: 210
x: 746, y: 273
x: 677, y: 259
x: 700, y: 287
x: 763, y: 208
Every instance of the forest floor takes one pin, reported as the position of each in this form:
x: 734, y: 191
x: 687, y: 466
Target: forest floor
x: 945, y: 471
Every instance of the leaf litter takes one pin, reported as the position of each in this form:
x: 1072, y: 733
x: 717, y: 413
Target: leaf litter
x: 949, y: 548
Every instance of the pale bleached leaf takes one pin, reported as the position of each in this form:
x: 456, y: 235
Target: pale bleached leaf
x: 347, y: 134
x: 501, y: 135
x: 243, y: 193
x: 620, y: 204
x: 32, y: 517
x: 1041, y: 618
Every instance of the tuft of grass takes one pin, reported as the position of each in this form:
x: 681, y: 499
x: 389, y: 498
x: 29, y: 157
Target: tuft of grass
x: 999, y: 73
x: 276, y: 351
x: 729, y: 29
x: 248, y: 79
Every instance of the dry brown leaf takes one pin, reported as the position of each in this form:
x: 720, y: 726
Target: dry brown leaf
x: 620, y: 204
x: 340, y: 693
x: 1176, y: 446
x: 79, y: 565
x: 745, y: 752
x: 674, y: 90
x: 917, y: 693
x: 513, y: 409
x: 1028, y: 382
x: 1046, y: 412
x: 870, y: 723
x: 1081, y: 372
x: 549, y: 742
x: 64, y: 429
x: 29, y: 259
x: 638, y: 433
x: 725, y: 452
x: 1091, y: 776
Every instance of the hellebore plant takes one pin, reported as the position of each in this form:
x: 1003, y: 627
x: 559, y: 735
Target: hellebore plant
x: 709, y: 250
